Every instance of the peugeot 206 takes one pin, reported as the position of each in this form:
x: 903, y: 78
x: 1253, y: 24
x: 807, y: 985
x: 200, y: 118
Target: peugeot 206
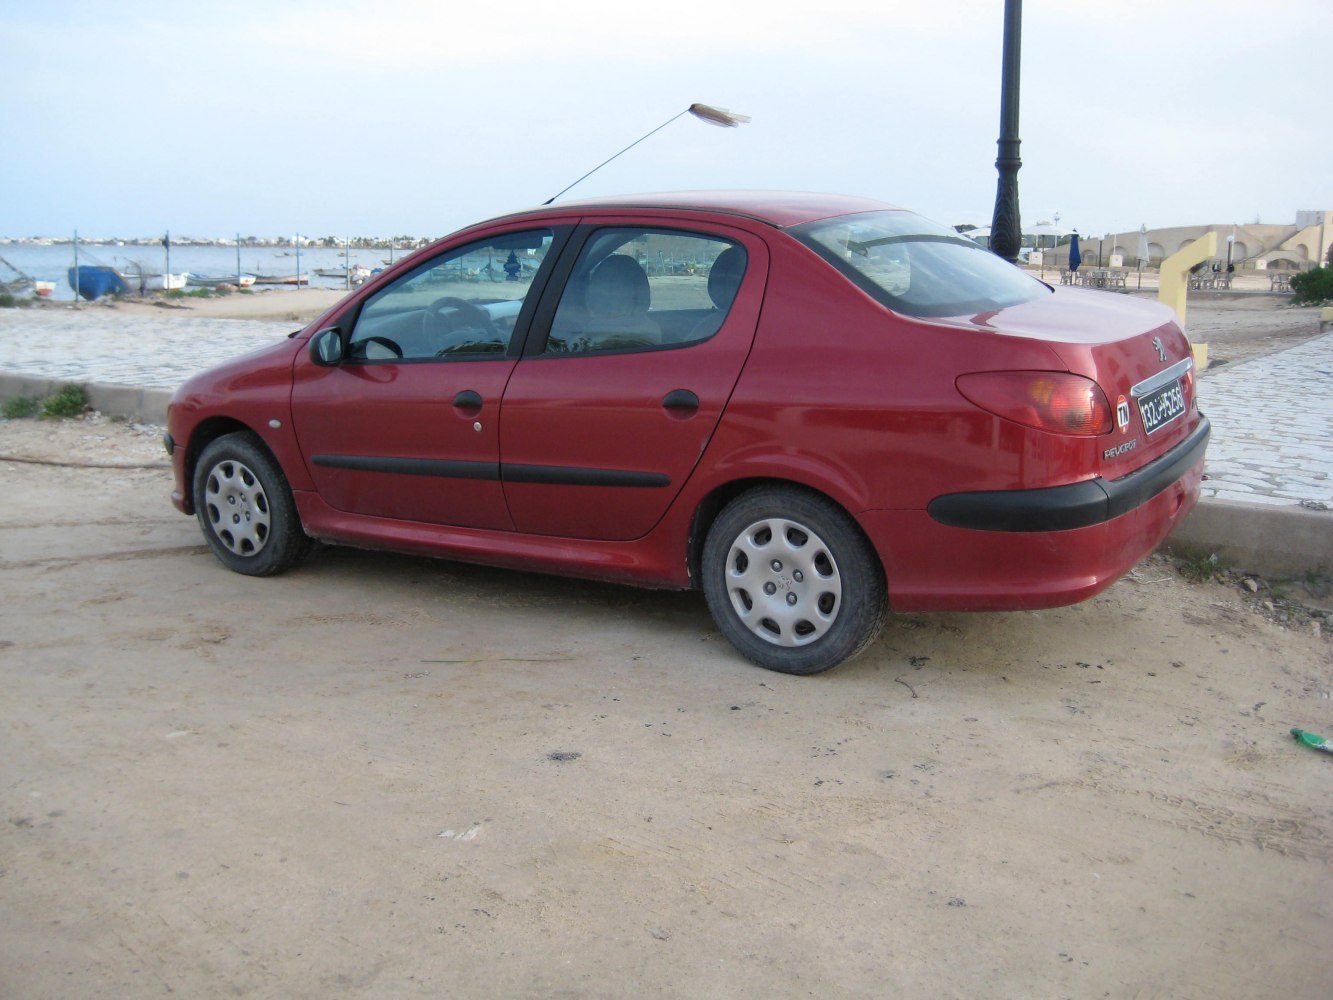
x: 813, y: 408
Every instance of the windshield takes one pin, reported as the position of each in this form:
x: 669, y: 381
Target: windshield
x: 918, y: 267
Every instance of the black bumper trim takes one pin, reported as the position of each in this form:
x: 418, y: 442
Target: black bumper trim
x: 453, y: 469
x: 549, y: 475
x: 448, y: 469
x: 1078, y: 505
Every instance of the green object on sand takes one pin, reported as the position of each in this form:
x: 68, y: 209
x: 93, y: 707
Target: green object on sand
x: 1311, y: 740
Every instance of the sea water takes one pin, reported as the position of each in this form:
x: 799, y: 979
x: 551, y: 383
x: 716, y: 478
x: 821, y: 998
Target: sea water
x: 52, y: 262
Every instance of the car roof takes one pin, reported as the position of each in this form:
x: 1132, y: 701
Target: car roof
x: 777, y: 208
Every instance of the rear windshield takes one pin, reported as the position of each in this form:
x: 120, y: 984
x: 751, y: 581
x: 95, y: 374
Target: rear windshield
x: 918, y: 267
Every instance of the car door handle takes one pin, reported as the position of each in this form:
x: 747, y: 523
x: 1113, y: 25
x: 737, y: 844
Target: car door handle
x: 468, y: 400
x: 680, y: 402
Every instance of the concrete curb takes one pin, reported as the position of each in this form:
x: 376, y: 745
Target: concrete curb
x: 145, y: 406
x: 1274, y: 540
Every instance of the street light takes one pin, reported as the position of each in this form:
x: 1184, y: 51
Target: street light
x: 1006, y: 235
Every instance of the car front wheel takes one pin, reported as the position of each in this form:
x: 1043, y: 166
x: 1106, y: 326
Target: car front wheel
x: 245, y: 507
x: 791, y: 581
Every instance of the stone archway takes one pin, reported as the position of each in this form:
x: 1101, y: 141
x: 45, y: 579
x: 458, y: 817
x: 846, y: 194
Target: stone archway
x: 1283, y: 261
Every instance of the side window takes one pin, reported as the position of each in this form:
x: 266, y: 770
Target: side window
x: 633, y: 289
x: 463, y: 303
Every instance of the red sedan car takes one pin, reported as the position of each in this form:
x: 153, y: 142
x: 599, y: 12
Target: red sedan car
x: 812, y: 407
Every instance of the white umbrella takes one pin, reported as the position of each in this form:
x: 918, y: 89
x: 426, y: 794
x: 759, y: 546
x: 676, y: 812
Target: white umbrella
x: 1047, y: 229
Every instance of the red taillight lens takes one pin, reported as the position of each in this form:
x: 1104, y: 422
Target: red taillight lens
x: 1049, y: 401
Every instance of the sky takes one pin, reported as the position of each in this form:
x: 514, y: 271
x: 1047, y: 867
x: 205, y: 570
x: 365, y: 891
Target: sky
x: 400, y: 117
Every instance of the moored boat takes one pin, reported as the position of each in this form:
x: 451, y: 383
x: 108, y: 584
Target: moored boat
x: 355, y: 274
x: 282, y: 279
x: 93, y: 281
x: 23, y: 282
x: 209, y: 281
x: 147, y: 281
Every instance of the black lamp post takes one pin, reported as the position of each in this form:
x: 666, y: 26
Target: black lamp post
x: 1006, y: 233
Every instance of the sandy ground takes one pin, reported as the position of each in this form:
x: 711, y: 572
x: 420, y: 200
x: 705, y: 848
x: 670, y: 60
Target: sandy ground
x: 295, y: 305
x: 379, y: 776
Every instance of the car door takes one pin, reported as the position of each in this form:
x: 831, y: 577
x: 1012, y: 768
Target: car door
x: 406, y: 426
x: 611, y: 406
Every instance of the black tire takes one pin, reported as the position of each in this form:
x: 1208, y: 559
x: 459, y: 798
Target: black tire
x: 791, y: 581
x: 245, y: 507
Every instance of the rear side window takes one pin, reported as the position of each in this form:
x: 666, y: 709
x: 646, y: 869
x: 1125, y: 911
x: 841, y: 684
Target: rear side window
x: 642, y: 289
x: 918, y: 267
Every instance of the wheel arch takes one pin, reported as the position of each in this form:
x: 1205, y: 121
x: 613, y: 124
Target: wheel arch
x: 707, y: 510
x: 204, y: 434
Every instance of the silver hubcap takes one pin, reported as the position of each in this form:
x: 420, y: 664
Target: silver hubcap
x: 237, y: 508
x: 783, y: 582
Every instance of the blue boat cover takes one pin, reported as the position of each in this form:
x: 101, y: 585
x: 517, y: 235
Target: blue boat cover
x: 95, y: 281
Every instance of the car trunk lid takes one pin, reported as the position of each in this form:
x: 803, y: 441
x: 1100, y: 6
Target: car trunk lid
x: 1134, y: 349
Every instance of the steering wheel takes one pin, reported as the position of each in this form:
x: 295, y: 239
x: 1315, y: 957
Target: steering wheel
x: 466, y: 315
x: 386, y: 345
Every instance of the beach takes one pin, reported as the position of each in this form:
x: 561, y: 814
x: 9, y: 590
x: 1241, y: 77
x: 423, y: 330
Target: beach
x: 299, y: 305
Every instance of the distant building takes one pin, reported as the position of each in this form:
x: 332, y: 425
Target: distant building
x: 1255, y: 247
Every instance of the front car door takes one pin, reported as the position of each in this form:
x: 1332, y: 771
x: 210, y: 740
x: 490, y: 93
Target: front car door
x: 407, y: 426
x: 623, y: 383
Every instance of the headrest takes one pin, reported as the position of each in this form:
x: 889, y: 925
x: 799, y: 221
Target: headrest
x: 724, y: 277
x: 618, y: 287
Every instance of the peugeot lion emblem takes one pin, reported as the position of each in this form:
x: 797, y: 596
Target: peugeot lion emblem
x: 1161, y: 351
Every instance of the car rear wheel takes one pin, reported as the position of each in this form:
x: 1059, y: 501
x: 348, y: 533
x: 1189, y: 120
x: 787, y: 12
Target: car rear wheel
x: 791, y: 581
x: 245, y: 507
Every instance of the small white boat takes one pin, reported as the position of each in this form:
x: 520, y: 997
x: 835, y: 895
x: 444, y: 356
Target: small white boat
x: 148, y: 281
x: 166, y: 282
x: 208, y: 281
x: 282, y: 279
x: 24, y: 282
x: 356, y: 274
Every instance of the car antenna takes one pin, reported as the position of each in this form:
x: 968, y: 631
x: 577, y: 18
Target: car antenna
x: 720, y: 117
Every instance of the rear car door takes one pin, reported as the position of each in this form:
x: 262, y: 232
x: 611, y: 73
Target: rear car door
x: 626, y: 376
x: 407, y: 426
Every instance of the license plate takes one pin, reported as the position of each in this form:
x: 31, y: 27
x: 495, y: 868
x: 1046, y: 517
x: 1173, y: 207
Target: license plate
x: 1162, y: 406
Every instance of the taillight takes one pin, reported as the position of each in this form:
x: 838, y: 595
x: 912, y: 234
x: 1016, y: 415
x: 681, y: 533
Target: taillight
x: 1049, y: 401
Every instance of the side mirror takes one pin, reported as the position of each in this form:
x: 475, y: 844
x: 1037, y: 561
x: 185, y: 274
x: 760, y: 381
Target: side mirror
x: 326, y: 348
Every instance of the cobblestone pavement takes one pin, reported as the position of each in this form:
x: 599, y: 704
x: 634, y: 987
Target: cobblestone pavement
x: 1272, y: 427
x: 1272, y: 416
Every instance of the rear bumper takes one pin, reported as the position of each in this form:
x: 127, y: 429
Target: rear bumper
x: 1078, y: 505
x: 1060, y: 553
